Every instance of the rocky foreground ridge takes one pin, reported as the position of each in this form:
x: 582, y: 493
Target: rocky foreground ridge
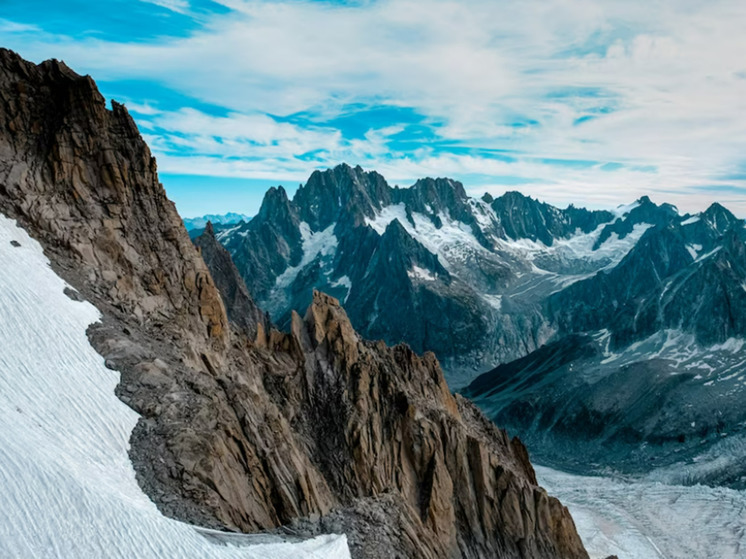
x: 315, y: 426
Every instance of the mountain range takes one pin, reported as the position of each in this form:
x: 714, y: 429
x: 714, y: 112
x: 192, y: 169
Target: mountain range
x: 229, y: 218
x: 647, y: 366
x: 620, y: 330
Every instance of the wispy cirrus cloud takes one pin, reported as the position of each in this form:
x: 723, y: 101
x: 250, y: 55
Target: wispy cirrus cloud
x: 651, y: 94
x: 15, y: 27
x: 179, y: 6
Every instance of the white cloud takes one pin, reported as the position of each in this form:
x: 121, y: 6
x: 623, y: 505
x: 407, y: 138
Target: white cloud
x: 13, y: 27
x: 146, y: 108
x: 179, y: 6
x: 664, y: 83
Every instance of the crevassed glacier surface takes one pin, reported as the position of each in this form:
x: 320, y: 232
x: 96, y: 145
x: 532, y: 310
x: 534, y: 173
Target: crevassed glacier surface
x: 644, y: 519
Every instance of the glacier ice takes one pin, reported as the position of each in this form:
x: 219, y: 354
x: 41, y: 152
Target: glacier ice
x: 646, y: 519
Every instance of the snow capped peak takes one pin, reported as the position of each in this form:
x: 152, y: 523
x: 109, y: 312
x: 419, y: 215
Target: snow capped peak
x: 624, y: 209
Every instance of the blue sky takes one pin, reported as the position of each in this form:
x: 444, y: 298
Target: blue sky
x: 595, y: 102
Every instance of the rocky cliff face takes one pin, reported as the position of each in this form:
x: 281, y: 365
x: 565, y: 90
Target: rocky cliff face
x: 381, y: 420
x: 316, y: 426
x: 81, y: 178
x: 240, y: 306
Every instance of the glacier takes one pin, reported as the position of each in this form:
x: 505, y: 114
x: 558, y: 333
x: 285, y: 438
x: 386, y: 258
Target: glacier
x: 642, y: 518
x: 69, y: 489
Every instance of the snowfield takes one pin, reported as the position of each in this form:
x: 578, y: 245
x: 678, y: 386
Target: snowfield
x: 641, y: 519
x: 68, y: 487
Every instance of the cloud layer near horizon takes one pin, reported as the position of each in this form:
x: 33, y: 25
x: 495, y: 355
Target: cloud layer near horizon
x: 585, y: 101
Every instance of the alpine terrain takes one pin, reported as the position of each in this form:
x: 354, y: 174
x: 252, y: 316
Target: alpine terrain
x: 196, y: 225
x: 647, y: 368
x: 226, y: 219
x: 231, y: 424
x: 617, y: 336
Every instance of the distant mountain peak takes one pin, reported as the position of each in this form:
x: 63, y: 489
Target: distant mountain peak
x: 340, y: 193
x: 198, y: 223
x: 275, y: 202
x: 440, y: 183
x: 719, y: 217
x: 515, y: 194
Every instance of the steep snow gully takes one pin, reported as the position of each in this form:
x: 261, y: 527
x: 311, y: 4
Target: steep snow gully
x: 68, y: 487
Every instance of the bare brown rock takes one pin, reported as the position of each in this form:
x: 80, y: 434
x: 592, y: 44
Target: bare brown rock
x: 383, y: 421
x: 316, y: 428
x: 242, y: 310
x: 82, y: 179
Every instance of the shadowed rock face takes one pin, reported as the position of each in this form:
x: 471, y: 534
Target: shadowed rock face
x: 525, y: 218
x: 81, y: 178
x: 242, y: 310
x: 316, y: 426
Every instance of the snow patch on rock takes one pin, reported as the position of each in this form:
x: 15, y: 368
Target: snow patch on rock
x: 579, y: 247
x: 495, y: 301
x: 315, y: 244
x: 624, y: 209
x: 422, y: 274
x: 694, y: 250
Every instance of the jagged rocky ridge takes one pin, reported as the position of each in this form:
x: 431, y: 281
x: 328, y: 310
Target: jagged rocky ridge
x: 252, y: 433
x: 470, y: 278
x: 240, y: 306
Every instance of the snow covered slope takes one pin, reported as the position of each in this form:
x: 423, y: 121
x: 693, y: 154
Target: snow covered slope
x: 68, y: 488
